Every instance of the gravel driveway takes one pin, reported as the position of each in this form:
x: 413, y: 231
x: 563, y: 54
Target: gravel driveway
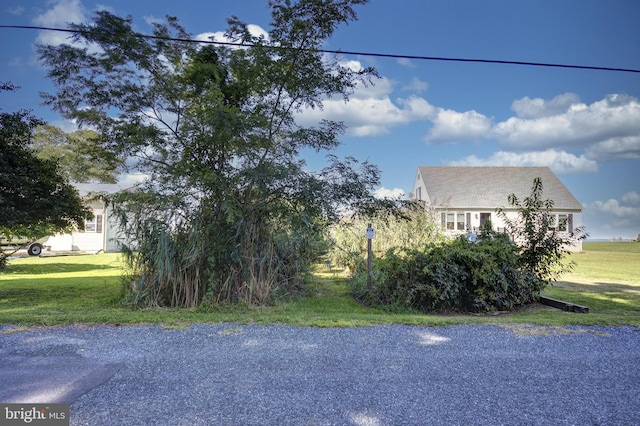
x: 228, y: 374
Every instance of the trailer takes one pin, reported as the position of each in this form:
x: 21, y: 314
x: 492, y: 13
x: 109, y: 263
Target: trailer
x: 34, y: 248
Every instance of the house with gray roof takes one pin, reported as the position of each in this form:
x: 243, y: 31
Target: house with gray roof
x: 462, y: 198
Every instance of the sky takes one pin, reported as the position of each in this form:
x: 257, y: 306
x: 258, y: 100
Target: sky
x: 583, y: 124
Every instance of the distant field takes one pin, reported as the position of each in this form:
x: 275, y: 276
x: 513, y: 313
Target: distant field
x: 87, y: 289
x: 607, y: 261
x: 606, y: 279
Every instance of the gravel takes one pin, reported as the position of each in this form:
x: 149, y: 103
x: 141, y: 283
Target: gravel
x: 229, y: 374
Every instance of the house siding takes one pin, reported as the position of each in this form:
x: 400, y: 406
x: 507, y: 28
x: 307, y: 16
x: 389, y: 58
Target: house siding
x: 101, y: 234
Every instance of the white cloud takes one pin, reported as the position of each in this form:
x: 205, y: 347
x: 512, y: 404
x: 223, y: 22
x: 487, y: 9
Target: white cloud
x: 527, y: 108
x: 151, y: 20
x: 606, y: 126
x: 375, y: 116
x: 68, y: 126
x: 127, y: 180
x: 377, y: 89
x: 370, y: 111
x: 389, y: 193
x: 405, y: 62
x: 209, y: 36
x: 544, y: 131
x: 619, y: 217
x: 364, y: 117
x: 615, y: 149
x: 614, y: 207
x: 560, y: 162
x: 416, y: 85
x: 631, y: 198
x: 453, y: 126
x: 60, y: 15
x: 352, y: 64
x: 257, y: 31
x: 254, y: 30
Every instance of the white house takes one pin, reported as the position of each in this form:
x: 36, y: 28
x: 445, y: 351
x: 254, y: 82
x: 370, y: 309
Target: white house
x: 462, y: 198
x: 99, y: 234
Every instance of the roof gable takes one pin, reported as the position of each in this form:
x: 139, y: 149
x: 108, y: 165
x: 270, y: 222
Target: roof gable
x: 489, y: 187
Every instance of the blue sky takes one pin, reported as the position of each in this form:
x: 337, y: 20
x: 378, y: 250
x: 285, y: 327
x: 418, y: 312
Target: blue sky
x: 583, y: 124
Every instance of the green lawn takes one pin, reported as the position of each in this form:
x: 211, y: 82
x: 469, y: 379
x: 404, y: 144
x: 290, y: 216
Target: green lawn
x: 87, y: 289
x: 607, y: 280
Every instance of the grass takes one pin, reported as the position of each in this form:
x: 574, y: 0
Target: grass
x: 87, y: 290
x: 607, y: 280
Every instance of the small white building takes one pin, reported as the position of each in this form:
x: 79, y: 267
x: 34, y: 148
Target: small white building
x: 100, y: 234
x: 462, y: 198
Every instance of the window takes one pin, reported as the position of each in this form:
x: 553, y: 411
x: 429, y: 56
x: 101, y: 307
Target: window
x: 460, y: 222
x: 565, y: 223
x: 562, y: 222
x: 450, y: 221
x: 484, y: 217
x: 453, y: 221
x: 418, y: 193
x: 447, y: 221
x: 94, y: 225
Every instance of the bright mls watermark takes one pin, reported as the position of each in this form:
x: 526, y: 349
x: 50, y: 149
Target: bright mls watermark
x: 34, y: 414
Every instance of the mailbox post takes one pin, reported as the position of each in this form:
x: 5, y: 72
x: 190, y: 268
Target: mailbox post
x: 370, y: 234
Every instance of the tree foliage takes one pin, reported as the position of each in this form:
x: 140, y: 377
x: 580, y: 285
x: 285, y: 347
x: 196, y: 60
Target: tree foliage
x: 35, y: 198
x: 215, y: 128
x: 79, y: 155
x: 536, y: 233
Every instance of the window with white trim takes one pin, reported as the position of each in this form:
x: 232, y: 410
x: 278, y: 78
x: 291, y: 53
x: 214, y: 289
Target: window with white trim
x: 93, y: 225
x: 562, y: 222
x: 453, y: 221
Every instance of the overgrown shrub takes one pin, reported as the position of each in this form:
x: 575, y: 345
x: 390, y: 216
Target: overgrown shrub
x: 185, y: 258
x: 454, y: 275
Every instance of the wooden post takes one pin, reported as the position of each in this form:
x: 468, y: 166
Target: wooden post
x: 369, y: 256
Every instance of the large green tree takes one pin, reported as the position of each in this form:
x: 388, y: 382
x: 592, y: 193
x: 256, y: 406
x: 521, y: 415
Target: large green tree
x: 36, y: 200
x: 230, y: 212
x: 78, y: 154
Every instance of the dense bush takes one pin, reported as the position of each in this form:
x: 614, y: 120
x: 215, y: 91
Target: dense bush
x: 455, y: 275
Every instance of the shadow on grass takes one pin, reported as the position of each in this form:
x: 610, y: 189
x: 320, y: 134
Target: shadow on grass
x: 53, y: 268
x: 599, y: 287
x: 600, y: 297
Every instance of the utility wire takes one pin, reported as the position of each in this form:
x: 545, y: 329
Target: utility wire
x: 345, y: 52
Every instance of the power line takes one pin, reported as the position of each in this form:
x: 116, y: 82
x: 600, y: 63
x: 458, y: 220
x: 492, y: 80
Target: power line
x: 356, y: 53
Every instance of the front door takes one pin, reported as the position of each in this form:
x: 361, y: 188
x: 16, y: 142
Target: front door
x: 484, y: 217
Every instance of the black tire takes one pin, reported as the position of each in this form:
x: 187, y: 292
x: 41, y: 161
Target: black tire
x: 35, y: 249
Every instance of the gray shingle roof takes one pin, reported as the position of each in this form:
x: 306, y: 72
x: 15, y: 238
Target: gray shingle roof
x: 489, y: 187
